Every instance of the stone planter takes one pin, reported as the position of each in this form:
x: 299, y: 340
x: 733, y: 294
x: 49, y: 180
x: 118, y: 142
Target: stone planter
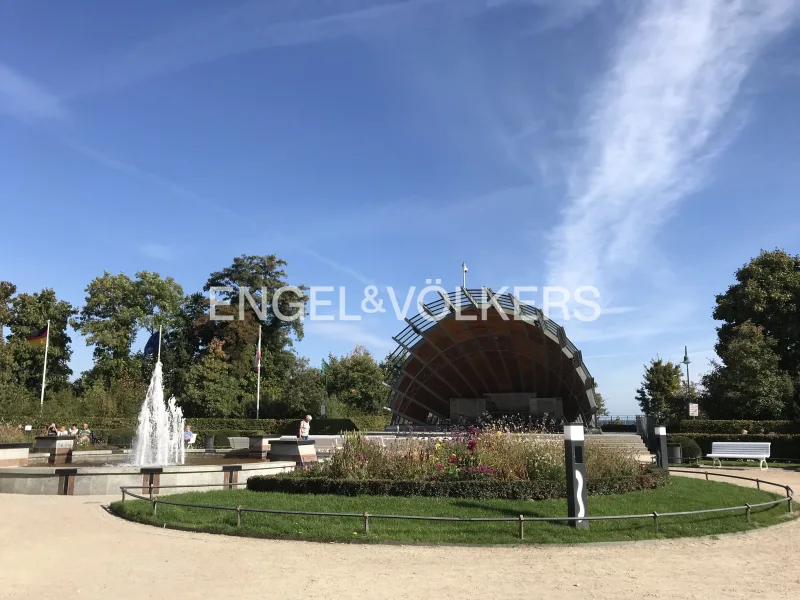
x: 58, y: 447
x: 14, y: 454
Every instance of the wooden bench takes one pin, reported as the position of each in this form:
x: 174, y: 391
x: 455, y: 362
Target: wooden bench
x: 745, y: 450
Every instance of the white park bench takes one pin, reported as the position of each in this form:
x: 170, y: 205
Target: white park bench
x: 239, y: 443
x: 747, y: 450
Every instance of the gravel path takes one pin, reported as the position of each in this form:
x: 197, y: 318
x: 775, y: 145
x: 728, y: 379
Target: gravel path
x: 57, y: 547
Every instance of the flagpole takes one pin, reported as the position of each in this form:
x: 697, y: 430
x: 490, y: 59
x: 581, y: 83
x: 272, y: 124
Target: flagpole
x: 258, y: 369
x: 44, y: 367
x: 159, y: 343
x: 464, y: 275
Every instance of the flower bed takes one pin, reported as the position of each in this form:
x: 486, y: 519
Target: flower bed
x: 474, y: 464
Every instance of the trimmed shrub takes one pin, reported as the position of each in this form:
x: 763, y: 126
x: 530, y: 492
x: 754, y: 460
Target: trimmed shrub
x: 121, y: 438
x: 277, y: 426
x: 735, y: 427
x: 618, y: 427
x: 782, y: 445
x: 689, y: 448
x: 649, y: 477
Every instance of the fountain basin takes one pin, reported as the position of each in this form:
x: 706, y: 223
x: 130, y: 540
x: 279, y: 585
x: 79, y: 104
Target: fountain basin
x: 79, y: 479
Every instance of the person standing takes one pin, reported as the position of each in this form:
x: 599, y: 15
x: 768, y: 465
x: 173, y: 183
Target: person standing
x: 305, y: 428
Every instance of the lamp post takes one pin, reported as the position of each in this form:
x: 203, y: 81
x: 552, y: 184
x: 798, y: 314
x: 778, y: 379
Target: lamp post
x: 686, y: 362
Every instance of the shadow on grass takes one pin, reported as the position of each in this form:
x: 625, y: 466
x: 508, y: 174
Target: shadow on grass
x: 473, y: 504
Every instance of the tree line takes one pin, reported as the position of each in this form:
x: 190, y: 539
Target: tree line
x: 208, y: 364
x: 757, y: 374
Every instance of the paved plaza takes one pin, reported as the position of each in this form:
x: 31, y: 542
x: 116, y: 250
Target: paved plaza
x: 54, y: 546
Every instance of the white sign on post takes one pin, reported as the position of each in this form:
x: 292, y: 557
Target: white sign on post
x: 693, y: 410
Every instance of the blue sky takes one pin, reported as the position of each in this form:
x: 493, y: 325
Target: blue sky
x: 648, y: 149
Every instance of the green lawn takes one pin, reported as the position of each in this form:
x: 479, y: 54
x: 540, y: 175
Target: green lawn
x: 680, y: 495
x: 744, y: 463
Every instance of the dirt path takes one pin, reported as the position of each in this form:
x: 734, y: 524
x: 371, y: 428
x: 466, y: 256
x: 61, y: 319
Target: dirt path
x: 57, y: 547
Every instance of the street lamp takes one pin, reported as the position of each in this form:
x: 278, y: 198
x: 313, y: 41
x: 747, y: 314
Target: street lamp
x: 686, y: 362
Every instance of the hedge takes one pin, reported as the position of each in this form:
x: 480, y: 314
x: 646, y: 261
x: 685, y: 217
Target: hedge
x: 690, y: 449
x: 618, y: 427
x: 319, y: 426
x: 782, y: 445
x: 650, y: 478
x: 734, y: 427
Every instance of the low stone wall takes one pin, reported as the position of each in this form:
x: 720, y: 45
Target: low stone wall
x: 14, y: 454
x: 108, y: 480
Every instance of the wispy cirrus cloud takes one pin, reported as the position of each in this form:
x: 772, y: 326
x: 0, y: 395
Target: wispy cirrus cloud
x: 26, y: 100
x: 257, y: 25
x: 176, y: 190
x: 250, y: 27
x: 662, y: 105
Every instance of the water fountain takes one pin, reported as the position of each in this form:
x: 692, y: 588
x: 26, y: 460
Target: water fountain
x: 157, y: 462
x: 159, y: 436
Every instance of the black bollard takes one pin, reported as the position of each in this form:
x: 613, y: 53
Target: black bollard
x: 576, y: 475
x: 662, y: 459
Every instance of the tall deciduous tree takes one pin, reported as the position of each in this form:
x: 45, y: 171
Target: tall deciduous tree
x: 749, y: 382
x: 260, y: 278
x: 766, y: 294
x: 159, y: 300
x: 109, y: 318
x: 357, y: 380
x: 30, y: 313
x: 660, y: 393
x: 212, y: 388
x: 7, y: 291
x: 117, y: 308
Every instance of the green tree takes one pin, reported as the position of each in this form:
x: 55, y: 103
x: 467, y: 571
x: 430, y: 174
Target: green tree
x: 766, y: 294
x: 7, y: 291
x: 260, y: 277
x: 108, y: 320
x: 392, y: 367
x: 660, y: 393
x: 357, y: 380
x: 601, y: 403
x: 182, y: 345
x: 212, y: 388
x: 749, y: 382
x: 30, y: 313
x: 159, y: 300
x: 117, y: 308
x: 306, y: 391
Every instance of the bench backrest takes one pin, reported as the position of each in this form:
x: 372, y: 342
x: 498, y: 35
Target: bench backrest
x: 239, y: 443
x: 741, y: 448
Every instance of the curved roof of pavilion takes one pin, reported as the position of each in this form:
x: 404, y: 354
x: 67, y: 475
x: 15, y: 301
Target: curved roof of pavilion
x: 473, y: 343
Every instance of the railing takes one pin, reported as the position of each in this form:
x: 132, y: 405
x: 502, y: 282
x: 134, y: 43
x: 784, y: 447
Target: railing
x: 616, y: 419
x: 521, y: 519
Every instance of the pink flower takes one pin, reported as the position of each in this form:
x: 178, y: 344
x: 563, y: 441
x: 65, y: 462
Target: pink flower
x: 453, y: 458
x: 471, y: 445
x: 438, y: 466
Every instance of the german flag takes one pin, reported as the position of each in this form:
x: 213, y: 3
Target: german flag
x: 39, y: 338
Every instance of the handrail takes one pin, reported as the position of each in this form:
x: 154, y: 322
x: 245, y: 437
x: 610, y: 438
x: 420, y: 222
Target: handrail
x: 521, y: 518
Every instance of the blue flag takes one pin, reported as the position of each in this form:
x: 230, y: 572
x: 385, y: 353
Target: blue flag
x: 151, y: 347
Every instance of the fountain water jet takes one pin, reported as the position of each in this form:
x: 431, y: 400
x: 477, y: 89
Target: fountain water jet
x: 159, y: 436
